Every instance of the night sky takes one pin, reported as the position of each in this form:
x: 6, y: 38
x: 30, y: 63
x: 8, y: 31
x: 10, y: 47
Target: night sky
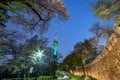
x: 76, y: 28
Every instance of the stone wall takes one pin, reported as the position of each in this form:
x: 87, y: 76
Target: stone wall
x: 106, y: 65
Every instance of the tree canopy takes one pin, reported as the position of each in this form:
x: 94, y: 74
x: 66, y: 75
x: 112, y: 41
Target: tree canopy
x: 25, y: 55
x: 32, y: 14
x: 83, y: 51
x: 107, y: 9
x: 101, y: 32
x: 72, y: 61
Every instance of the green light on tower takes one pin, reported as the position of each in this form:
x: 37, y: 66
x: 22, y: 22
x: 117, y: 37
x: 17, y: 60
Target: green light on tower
x: 55, y: 44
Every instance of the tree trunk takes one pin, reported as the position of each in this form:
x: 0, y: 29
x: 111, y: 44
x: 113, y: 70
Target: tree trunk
x: 83, y: 70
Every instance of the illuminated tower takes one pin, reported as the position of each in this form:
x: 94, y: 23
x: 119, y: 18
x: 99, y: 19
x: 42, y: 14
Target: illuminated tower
x: 55, y: 45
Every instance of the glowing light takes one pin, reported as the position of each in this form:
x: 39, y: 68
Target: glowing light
x: 40, y: 53
x: 83, y: 62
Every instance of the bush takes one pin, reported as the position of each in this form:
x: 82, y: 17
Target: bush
x: 76, y: 78
x: 82, y: 78
x: 45, y: 78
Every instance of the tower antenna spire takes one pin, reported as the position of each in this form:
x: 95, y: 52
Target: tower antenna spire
x: 56, y: 33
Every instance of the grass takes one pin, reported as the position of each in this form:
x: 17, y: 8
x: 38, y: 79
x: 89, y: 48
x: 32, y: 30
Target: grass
x: 82, y: 78
x: 44, y: 77
x: 76, y: 78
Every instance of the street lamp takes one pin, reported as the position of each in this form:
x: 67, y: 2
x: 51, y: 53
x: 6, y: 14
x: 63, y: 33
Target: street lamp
x: 39, y: 54
x: 83, y: 61
x: 84, y: 58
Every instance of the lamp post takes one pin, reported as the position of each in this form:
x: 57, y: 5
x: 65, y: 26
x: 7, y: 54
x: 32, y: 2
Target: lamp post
x: 83, y: 67
x: 84, y: 58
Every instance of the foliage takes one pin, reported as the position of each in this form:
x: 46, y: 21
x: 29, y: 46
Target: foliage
x: 45, y: 77
x: 33, y: 78
x: 101, y: 31
x: 8, y: 40
x: 107, y: 9
x: 33, y: 15
x: 86, y: 49
x: 101, y: 34
x: 82, y: 78
x: 17, y: 57
x: 23, y: 57
x: 83, y: 51
x: 72, y: 61
x: 76, y: 78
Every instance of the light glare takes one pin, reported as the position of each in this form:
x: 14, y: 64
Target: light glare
x: 40, y: 53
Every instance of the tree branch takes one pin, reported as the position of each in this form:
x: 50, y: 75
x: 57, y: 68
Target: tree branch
x: 31, y: 7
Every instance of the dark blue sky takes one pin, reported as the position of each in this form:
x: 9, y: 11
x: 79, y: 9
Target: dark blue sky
x: 76, y: 28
